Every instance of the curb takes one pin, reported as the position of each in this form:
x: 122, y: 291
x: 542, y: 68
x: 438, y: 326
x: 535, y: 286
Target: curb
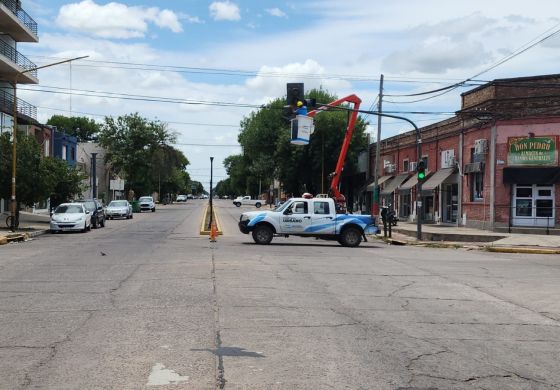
x: 534, y: 251
x: 203, y: 230
x: 21, y: 236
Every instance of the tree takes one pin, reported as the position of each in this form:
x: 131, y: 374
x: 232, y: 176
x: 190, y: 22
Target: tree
x: 140, y: 151
x: 37, y: 178
x: 30, y: 174
x: 63, y: 182
x: 83, y: 128
x: 268, y: 153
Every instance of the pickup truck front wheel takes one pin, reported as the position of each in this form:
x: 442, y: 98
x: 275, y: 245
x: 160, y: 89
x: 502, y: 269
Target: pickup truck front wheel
x: 237, y: 204
x: 262, y: 235
x: 350, y: 237
x: 258, y: 204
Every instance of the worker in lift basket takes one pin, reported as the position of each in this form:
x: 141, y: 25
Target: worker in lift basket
x: 301, y: 108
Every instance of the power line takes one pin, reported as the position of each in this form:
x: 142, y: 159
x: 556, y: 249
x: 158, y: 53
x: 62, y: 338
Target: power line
x: 522, y: 49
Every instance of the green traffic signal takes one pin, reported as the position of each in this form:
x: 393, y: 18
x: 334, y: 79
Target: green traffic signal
x: 421, y: 170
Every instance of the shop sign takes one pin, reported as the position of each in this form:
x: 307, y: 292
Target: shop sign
x: 532, y: 151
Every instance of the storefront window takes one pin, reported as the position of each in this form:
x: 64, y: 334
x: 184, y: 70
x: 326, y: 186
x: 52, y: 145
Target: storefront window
x: 544, y: 208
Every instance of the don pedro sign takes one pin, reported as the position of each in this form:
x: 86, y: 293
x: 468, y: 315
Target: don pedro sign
x: 532, y: 151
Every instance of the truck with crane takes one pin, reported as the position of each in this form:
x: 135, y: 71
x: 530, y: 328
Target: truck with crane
x: 324, y: 218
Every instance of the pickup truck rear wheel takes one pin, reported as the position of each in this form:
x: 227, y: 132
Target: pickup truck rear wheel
x: 258, y: 205
x: 351, y: 237
x: 262, y: 235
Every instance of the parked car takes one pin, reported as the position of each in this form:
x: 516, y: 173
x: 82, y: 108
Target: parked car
x: 147, y: 203
x: 70, y: 217
x: 95, y: 207
x: 190, y: 196
x: 119, y: 209
x: 181, y: 198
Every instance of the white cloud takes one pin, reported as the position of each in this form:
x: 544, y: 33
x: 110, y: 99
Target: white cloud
x: 271, y: 80
x: 224, y: 10
x: 115, y: 20
x: 276, y: 12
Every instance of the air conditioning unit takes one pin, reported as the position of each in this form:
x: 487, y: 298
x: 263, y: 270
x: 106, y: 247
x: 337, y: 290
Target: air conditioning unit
x: 412, y: 166
x: 390, y: 168
x: 480, y: 146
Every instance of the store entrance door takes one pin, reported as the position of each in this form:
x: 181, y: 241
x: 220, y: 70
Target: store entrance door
x: 449, y: 202
x: 533, y: 205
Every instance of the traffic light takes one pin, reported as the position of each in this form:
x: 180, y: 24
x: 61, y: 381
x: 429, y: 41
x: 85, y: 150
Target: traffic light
x: 294, y: 93
x: 421, y: 170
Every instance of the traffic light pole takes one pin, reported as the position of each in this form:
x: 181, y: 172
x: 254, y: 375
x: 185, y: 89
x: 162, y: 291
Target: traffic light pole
x: 419, y: 204
x: 418, y: 153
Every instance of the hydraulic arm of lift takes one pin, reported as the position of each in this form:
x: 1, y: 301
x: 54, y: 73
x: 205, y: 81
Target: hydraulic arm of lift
x: 334, y: 192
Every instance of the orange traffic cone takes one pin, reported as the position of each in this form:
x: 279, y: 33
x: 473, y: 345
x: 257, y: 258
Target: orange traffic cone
x: 213, y: 232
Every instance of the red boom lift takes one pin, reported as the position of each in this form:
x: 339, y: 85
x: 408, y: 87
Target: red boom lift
x: 334, y: 192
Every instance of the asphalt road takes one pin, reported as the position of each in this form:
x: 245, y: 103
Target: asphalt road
x: 148, y: 303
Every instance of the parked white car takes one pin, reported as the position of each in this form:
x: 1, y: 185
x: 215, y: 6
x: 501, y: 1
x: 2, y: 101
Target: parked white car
x: 119, y: 209
x: 70, y: 217
x: 147, y: 203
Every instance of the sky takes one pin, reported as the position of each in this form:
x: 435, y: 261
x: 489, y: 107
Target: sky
x: 203, y: 66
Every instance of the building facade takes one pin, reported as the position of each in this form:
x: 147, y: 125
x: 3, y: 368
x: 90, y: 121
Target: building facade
x: 87, y: 152
x: 492, y: 166
x: 65, y: 147
x: 15, y: 26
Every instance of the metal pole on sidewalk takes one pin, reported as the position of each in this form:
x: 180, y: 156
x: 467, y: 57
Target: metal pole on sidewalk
x: 211, y: 195
x: 375, y: 203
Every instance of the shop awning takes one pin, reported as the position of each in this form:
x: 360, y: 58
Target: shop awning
x: 391, y: 186
x: 437, y: 178
x: 409, y: 184
x: 542, y: 176
x: 380, y: 181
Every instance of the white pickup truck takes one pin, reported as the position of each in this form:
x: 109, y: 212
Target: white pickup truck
x: 246, y: 200
x: 314, y: 217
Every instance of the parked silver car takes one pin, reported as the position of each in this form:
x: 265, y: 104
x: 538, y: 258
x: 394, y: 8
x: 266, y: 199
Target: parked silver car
x: 119, y: 209
x: 70, y: 217
x: 147, y: 203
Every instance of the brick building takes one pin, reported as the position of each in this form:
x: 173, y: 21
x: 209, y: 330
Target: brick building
x: 494, y: 165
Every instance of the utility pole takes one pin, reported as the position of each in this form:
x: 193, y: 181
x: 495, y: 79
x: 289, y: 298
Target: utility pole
x: 211, y: 195
x: 375, y: 204
x: 94, y: 175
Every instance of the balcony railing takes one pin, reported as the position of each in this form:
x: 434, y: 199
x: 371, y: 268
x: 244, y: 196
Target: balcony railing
x: 15, y: 7
x: 7, y: 104
x: 17, y: 57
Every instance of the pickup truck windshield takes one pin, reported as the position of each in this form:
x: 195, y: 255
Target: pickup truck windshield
x: 282, y: 207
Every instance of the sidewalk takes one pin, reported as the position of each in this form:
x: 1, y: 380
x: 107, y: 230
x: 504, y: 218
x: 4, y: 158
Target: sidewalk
x: 30, y: 225
x: 405, y: 233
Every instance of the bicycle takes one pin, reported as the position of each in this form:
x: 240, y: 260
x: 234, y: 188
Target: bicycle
x: 9, y: 221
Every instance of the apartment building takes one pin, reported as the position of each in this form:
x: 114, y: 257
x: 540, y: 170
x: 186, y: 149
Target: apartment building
x: 494, y: 165
x: 16, y: 26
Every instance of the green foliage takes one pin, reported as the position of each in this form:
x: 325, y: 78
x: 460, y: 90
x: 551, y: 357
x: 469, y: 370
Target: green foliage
x: 197, y: 188
x: 268, y: 153
x: 64, y: 182
x: 140, y: 152
x: 224, y: 188
x: 36, y: 178
x: 84, y: 129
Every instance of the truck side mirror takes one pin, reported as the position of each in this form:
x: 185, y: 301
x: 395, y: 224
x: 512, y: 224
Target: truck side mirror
x: 288, y: 211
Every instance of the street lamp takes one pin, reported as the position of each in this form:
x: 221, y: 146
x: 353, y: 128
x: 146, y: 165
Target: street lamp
x: 14, y: 224
x: 211, y: 195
